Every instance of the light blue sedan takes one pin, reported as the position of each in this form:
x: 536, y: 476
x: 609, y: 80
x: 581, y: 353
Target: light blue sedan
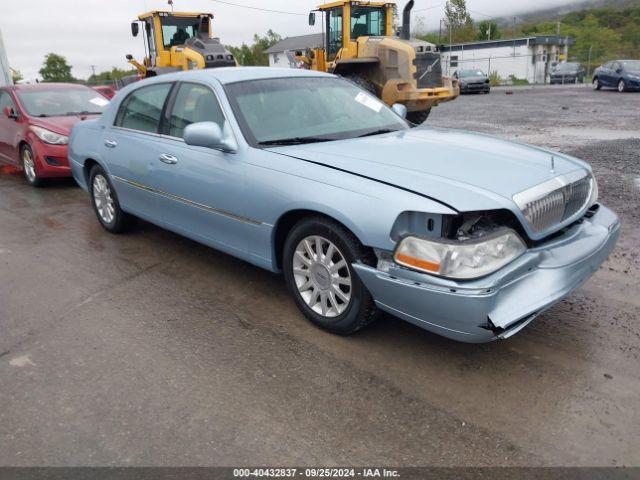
x: 303, y: 173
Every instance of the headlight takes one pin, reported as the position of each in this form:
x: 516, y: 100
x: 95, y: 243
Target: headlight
x: 460, y: 259
x: 47, y: 136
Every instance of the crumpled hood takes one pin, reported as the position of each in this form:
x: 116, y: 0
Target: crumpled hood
x: 466, y: 171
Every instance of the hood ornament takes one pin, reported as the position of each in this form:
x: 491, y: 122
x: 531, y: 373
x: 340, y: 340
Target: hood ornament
x: 553, y: 164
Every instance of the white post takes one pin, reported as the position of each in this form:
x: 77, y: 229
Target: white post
x: 5, y: 72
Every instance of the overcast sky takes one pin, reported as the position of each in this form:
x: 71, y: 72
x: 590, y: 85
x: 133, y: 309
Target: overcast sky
x: 97, y: 32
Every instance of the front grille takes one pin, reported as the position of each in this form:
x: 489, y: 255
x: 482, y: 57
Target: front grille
x: 428, y: 70
x: 553, y: 202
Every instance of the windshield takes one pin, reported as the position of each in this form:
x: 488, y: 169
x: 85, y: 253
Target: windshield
x: 307, y: 109
x: 632, y: 65
x: 566, y: 67
x: 470, y: 73
x: 367, y: 21
x: 56, y: 102
x: 177, y: 30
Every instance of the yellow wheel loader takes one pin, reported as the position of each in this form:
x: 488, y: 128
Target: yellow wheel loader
x: 175, y: 41
x: 359, y: 44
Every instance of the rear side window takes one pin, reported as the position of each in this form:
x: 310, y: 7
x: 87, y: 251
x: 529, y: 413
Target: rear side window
x: 142, y: 109
x: 194, y: 103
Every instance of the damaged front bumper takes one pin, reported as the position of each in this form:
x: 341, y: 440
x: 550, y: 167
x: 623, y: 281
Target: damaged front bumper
x: 501, y: 304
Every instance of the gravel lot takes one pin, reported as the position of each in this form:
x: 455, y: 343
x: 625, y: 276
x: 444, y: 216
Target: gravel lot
x: 150, y: 349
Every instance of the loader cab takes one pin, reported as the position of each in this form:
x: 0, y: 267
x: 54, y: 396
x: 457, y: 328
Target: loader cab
x: 346, y: 21
x: 164, y: 30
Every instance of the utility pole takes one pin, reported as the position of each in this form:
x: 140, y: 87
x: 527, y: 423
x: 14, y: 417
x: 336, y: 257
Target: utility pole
x: 440, y: 33
x: 589, y: 63
x: 93, y: 70
x: 558, y: 28
x: 514, y: 36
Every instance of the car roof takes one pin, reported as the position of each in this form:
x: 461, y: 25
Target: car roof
x: 227, y: 75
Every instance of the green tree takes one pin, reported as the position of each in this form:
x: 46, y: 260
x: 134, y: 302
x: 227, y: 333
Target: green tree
x: 458, y: 21
x: 16, y: 75
x: 488, y: 30
x: 253, y: 54
x: 589, y: 34
x: 110, y: 76
x: 56, y: 69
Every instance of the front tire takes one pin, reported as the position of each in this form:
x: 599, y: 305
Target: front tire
x: 317, y: 261
x: 622, y: 86
x: 596, y: 84
x: 29, y: 167
x: 105, y: 202
x: 418, y: 117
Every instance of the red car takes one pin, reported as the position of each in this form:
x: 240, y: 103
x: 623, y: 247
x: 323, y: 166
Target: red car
x: 35, y: 123
x: 105, y: 90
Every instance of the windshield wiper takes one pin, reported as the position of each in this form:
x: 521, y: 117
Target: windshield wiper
x: 295, y: 141
x: 378, y: 132
x: 84, y: 112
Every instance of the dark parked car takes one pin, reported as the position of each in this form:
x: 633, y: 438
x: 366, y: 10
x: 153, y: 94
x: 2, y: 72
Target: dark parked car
x: 473, y: 81
x: 567, y: 72
x: 35, y: 123
x: 621, y: 74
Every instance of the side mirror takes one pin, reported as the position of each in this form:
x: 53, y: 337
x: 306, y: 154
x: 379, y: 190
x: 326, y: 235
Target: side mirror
x: 210, y: 135
x: 135, y: 28
x: 9, y: 113
x: 399, y: 109
x: 312, y: 18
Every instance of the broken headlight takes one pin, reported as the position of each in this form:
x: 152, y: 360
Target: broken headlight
x: 457, y: 259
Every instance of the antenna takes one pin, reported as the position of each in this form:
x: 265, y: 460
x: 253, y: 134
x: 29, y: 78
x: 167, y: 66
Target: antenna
x: 170, y: 2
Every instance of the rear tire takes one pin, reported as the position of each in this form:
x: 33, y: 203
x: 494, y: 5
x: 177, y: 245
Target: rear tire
x: 418, y: 117
x: 105, y: 202
x: 317, y: 262
x: 622, y: 86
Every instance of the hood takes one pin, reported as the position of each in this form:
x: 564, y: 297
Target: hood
x: 61, y: 125
x: 463, y: 170
x: 564, y: 72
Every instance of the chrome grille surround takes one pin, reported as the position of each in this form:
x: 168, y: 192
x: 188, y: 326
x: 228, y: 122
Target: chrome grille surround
x: 558, y: 200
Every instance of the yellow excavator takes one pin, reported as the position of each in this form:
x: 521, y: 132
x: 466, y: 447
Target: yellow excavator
x: 176, y: 41
x: 359, y: 43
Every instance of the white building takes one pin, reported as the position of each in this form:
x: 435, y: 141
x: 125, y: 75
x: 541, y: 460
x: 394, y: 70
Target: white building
x: 5, y: 73
x: 282, y: 54
x: 527, y: 58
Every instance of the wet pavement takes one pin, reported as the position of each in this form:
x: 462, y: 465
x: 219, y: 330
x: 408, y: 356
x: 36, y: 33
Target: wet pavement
x: 150, y: 349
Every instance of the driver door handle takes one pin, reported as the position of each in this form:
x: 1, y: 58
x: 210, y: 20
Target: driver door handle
x: 168, y: 159
x: 110, y: 143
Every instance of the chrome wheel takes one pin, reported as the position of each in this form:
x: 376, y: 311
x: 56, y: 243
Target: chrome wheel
x: 596, y: 84
x: 621, y: 86
x: 29, y: 165
x: 322, y: 276
x: 103, y: 199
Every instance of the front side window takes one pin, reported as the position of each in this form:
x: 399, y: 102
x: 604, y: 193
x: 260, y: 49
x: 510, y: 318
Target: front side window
x: 334, y: 39
x: 367, y: 22
x: 58, y: 102
x: 176, y: 31
x: 273, y: 111
x: 142, y: 109
x: 194, y: 103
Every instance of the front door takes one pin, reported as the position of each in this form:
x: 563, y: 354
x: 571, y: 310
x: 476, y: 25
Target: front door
x: 334, y: 37
x: 203, y: 189
x: 132, y: 151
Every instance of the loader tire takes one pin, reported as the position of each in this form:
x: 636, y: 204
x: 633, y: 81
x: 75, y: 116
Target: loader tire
x: 363, y: 83
x: 418, y: 117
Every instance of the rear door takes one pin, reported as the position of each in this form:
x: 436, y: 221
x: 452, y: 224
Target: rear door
x: 9, y: 130
x: 131, y: 149
x: 607, y: 73
x: 203, y: 189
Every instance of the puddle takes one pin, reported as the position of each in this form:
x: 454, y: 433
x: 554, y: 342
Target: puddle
x: 597, y: 133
